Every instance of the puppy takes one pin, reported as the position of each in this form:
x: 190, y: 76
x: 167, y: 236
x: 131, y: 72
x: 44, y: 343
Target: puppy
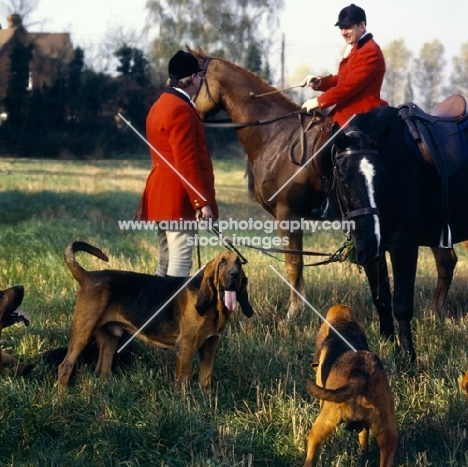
x: 10, y: 300
x: 464, y: 384
x: 193, y: 316
x: 352, y: 387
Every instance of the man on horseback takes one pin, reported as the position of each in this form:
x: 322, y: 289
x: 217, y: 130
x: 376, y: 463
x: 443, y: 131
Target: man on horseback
x: 356, y: 86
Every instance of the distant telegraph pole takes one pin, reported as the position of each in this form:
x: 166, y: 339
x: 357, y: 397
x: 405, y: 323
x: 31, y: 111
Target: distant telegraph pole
x: 282, y: 62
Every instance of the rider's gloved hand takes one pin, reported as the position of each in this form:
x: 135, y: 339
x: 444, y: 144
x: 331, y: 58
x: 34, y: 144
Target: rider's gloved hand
x: 310, y: 80
x: 310, y: 105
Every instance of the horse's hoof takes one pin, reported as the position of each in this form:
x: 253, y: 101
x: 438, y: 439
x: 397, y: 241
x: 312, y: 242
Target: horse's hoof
x: 387, y: 331
x: 290, y: 315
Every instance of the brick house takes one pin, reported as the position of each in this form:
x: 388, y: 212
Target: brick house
x: 51, y: 54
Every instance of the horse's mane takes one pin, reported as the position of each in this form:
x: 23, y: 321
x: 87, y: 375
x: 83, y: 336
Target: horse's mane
x: 250, y: 77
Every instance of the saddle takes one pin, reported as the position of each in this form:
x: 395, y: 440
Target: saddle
x: 442, y: 143
x: 438, y: 135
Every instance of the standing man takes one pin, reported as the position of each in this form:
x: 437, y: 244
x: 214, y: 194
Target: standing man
x: 179, y: 187
x: 356, y: 87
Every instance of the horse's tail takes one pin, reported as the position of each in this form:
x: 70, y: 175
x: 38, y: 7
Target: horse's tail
x: 250, y: 179
x: 355, y: 386
x: 78, y: 272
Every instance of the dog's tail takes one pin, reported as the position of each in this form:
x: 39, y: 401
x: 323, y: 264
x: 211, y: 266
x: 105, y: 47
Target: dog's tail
x: 355, y: 386
x: 78, y: 272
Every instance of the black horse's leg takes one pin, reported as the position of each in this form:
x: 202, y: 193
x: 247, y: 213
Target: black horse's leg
x: 404, y: 258
x: 377, y: 276
x: 446, y: 260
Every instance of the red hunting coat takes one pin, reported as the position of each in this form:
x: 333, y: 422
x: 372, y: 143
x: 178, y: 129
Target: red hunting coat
x: 174, y: 129
x: 356, y: 87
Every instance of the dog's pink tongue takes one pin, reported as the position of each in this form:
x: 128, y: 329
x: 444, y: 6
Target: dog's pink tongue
x: 230, y: 300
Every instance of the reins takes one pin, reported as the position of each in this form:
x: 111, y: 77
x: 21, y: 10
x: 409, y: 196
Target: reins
x: 230, y: 243
x: 229, y: 124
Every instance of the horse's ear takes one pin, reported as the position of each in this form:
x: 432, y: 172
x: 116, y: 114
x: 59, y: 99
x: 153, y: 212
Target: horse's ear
x: 200, y: 55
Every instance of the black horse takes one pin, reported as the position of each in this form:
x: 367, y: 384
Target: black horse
x: 397, y: 202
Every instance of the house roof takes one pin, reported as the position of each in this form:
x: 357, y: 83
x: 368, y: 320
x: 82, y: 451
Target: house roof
x: 5, y: 36
x: 48, y: 44
x: 53, y: 45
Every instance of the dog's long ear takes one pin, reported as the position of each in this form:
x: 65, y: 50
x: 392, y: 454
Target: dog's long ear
x: 207, y: 293
x: 243, y: 297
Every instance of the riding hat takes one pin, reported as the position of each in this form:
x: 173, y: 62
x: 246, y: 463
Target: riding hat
x: 350, y: 15
x: 183, y: 64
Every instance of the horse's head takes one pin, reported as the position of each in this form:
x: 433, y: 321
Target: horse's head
x: 358, y: 174
x: 227, y: 86
x: 207, y: 100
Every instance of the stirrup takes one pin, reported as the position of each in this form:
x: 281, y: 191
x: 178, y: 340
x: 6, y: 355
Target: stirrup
x: 449, y: 238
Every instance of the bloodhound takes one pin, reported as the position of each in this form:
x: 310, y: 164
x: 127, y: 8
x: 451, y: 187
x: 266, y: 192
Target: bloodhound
x: 183, y: 314
x: 352, y: 387
x: 10, y: 300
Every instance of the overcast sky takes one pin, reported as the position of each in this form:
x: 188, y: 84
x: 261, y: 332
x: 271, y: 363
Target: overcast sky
x: 307, y: 25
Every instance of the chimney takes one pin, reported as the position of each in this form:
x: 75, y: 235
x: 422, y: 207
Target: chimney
x: 14, y: 21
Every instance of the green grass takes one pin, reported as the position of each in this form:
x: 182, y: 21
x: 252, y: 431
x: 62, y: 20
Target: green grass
x: 258, y: 412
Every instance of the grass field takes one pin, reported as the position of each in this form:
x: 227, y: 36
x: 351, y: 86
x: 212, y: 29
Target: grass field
x: 258, y: 412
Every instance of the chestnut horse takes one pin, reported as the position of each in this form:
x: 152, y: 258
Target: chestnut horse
x: 270, y: 148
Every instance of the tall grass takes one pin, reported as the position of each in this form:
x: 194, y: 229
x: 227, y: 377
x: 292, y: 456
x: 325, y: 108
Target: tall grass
x: 258, y: 412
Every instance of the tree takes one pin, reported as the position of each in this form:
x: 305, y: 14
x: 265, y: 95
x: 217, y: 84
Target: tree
x: 133, y: 64
x: 458, y: 79
x: 134, y: 94
x: 16, y: 99
x: 254, y: 62
x: 221, y: 27
x: 253, y: 59
x: 74, y: 85
x: 428, y: 72
x: 409, y: 95
x: 24, y: 8
x: 397, y: 60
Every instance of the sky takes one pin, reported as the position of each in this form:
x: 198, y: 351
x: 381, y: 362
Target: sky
x: 310, y: 37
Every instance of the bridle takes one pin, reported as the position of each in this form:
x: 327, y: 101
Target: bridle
x: 344, y: 207
x: 205, y: 82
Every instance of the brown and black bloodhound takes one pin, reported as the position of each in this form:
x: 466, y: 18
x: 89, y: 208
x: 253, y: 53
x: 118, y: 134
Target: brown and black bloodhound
x: 193, y: 312
x: 10, y: 300
x: 352, y: 387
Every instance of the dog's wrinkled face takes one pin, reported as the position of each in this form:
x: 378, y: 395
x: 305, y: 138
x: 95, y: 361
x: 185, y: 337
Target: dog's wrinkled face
x: 10, y: 300
x: 224, y: 280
